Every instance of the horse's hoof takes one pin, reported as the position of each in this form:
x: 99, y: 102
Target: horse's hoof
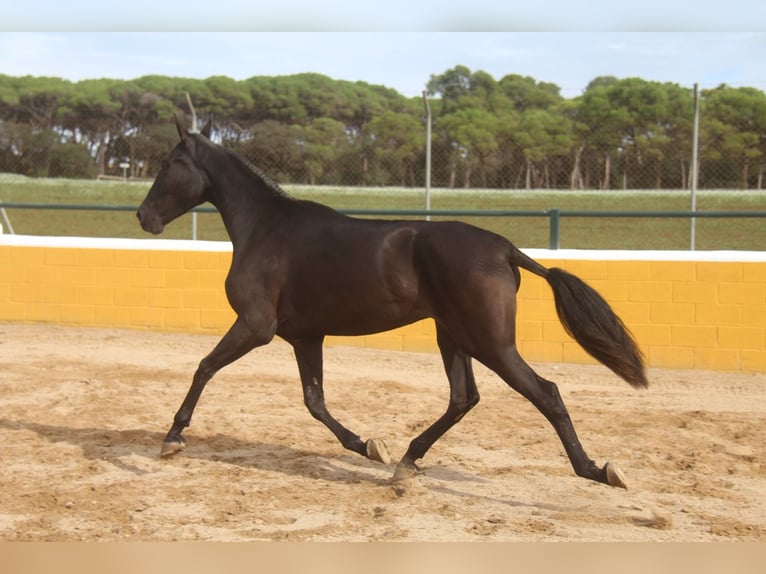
x: 377, y: 450
x: 614, y: 476
x: 405, y: 471
x: 171, y: 448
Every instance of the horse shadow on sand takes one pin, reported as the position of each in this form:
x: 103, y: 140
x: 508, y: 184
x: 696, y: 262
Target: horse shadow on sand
x: 137, y: 451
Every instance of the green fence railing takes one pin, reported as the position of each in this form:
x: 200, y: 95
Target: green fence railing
x: 554, y: 215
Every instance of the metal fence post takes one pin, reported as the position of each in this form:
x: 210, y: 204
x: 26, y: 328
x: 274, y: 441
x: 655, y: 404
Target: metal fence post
x: 694, y: 168
x: 428, y: 156
x: 555, y: 219
x: 7, y: 221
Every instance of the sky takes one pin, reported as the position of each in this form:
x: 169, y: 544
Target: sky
x: 399, y: 47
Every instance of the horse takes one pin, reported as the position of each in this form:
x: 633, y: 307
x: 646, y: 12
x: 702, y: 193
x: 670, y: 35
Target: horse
x: 302, y: 271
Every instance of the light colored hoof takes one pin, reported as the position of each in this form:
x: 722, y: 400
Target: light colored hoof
x: 614, y: 476
x: 377, y: 450
x: 171, y: 448
x: 405, y: 472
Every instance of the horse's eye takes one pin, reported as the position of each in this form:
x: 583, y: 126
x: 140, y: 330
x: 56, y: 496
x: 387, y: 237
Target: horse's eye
x: 165, y: 164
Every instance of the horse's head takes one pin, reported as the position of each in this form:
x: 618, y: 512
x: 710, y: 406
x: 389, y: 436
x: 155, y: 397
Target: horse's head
x: 180, y: 185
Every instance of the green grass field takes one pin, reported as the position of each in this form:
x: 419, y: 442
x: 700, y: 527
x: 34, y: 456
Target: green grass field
x: 576, y: 233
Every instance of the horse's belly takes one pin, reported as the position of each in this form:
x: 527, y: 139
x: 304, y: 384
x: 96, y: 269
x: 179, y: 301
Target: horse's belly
x: 350, y: 313
x: 369, y: 323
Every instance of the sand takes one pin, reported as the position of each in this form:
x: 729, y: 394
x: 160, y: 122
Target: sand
x: 83, y: 413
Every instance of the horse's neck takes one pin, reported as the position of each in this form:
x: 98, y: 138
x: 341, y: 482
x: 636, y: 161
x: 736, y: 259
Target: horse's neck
x: 245, y: 200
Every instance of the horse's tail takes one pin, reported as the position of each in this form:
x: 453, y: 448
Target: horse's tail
x: 589, y: 319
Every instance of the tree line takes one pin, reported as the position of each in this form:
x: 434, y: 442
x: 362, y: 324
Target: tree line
x: 515, y: 132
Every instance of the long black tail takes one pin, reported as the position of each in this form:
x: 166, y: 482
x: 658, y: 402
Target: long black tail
x: 589, y: 319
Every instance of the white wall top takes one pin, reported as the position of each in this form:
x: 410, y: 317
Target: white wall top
x: 225, y: 246
x: 114, y: 243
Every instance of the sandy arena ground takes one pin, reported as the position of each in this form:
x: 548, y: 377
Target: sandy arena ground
x: 83, y: 413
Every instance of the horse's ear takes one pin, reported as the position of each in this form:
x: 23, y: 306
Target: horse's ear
x: 185, y: 135
x: 206, y: 129
x: 182, y: 132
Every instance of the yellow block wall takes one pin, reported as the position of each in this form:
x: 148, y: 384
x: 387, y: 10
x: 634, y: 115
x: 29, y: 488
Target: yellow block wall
x: 684, y: 314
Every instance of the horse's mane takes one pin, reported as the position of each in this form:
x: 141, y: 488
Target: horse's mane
x: 261, y: 175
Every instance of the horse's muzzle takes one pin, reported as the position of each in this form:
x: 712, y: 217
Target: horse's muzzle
x: 150, y: 222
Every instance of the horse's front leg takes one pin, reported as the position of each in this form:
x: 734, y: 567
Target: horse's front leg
x: 239, y: 339
x: 308, y: 353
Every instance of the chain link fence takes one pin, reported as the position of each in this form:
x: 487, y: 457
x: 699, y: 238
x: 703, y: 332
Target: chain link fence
x: 339, y: 160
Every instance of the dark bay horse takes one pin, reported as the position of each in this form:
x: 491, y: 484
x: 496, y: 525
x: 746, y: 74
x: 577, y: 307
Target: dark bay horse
x: 302, y: 271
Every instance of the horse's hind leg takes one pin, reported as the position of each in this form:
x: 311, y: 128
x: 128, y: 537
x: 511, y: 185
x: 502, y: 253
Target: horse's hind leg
x: 463, y: 396
x: 308, y: 353
x: 545, y: 396
x: 239, y: 340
